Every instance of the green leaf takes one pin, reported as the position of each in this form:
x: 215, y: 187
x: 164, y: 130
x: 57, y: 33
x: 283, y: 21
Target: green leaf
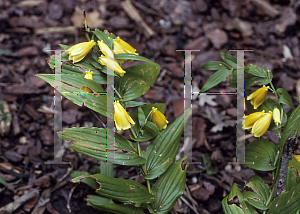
x: 92, y: 142
x: 229, y: 206
x: 261, y: 153
x: 107, y: 205
x: 84, y: 177
x: 71, y: 86
x: 123, y: 190
x: 72, y: 83
x: 66, y: 47
x: 291, y: 178
x: 259, y: 193
x: 216, y: 78
x: 162, y: 150
x: 249, y: 78
x: 130, y: 104
x: 257, y: 71
x: 107, y: 169
x: 169, y: 187
x: 268, y: 72
x: 229, y: 59
x: 294, y: 164
x: 292, y: 127
x: 149, y: 130
x: 214, y: 65
x: 128, y: 56
x: 285, y: 98
x: 3, y: 181
x: 104, y: 36
x: 286, y: 202
x: 137, y: 80
x: 141, y: 116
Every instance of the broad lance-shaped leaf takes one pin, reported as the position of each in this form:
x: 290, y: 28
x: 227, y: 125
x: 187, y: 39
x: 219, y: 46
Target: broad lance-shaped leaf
x: 285, y: 98
x: 98, y: 76
x: 229, y: 59
x: 92, y: 142
x: 286, y: 202
x: 292, y: 127
x: 169, y: 187
x: 137, y: 80
x: 163, y: 148
x: 123, y: 190
x: 71, y: 90
x: 84, y: 65
x: 127, y: 56
x: 108, y: 206
x: 259, y: 193
x: 217, y: 77
x: 261, y: 153
x: 243, y: 207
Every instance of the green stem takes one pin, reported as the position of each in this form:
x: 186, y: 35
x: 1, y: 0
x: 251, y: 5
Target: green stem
x: 273, y: 186
x: 269, y: 199
x: 277, y: 165
x: 149, y: 187
x: 133, y: 133
x: 88, y: 37
x: 117, y: 92
x: 273, y: 89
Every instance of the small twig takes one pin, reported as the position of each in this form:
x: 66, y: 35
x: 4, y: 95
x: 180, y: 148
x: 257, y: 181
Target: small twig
x: 69, y: 198
x: 20, y: 201
x: 190, y: 206
x: 290, y: 147
x: 103, y: 124
x: 133, y: 14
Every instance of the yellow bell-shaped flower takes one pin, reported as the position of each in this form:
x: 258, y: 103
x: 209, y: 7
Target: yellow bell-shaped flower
x: 113, y: 65
x: 79, y: 51
x: 276, y: 116
x: 88, y: 75
x: 258, y: 97
x: 158, y: 119
x: 251, y: 119
x: 121, y: 117
x: 120, y: 46
x: 105, y: 49
x: 262, y: 124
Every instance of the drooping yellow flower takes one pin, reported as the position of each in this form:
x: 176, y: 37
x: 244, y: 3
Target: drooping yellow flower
x: 276, y: 116
x: 79, y: 51
x: 297, y: 157
x: 262, y: 124
x: 158, y: 119
x: 105, y: 49
x: 258, y: 97
x: 251, y: 119
x: 113, y: 65
x: 88, y: 75
x: 121, y: 117
x: 120, y: 46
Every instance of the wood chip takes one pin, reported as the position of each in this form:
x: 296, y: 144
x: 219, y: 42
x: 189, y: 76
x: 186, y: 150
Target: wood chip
x: 63, y: 30
x: 134, y: 14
